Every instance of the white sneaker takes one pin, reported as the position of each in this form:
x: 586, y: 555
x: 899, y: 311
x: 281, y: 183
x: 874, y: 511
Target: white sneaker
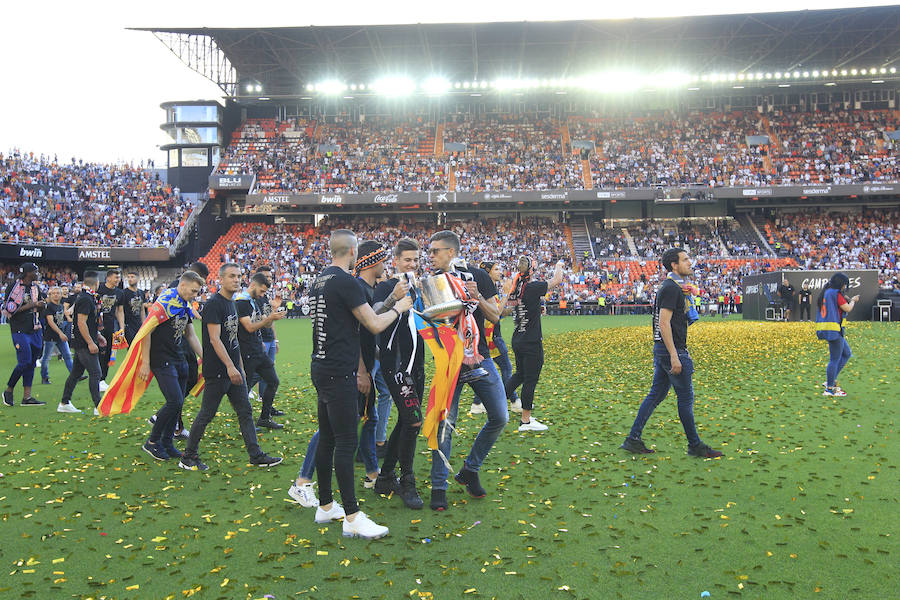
x: 66, y: 408
x: 533, y: 425
x: 96, y: 412
x: 477, y: 409
x: 364, y: 527
x: 253, y: 395
x: 369, y: 483
x: 37, y: 364
x: 516, y: 406
x: 304, y: 495
x: 327, y: 516
x: 103, y: 385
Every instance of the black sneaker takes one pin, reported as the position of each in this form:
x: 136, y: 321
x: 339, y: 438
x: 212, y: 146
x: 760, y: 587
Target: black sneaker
x: 470, y: 480
x: 32, y: 402
x: 82, y: 378
x: 701, y: 450
x: 408, y: 493
x: 269, y: 424
x: 155, y: 450
x: 386, y: 483
x: 45, y: 381
x: 8, y: 399
x: 380, y: 451
x: 172, y: 451
x: 277, y: 413
x: 152, y: 419
x: 192, y: 463
x: 635, y: 446
x: 264, y: 460
x: 438, y: 500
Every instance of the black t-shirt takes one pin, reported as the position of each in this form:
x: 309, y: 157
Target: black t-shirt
x: 70, y: 300
x: 396, y: 342
x: 55, y: 311
x: 669, y: 295
x: 85, y: 304
x: 166, y: 341
x: 527, y: 314
x: 335, y: 335
x: 251, y: 343
x: 24, y: 321
x: 109, y: 299
x: 265, y: 307
x: 220, y: 311
x: 787, y: 293
x: 133, y: 301
x: 488, y: 289
x: 805, y: 296
x: 367, y: 339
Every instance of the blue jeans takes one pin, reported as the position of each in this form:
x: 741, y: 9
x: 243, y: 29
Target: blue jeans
x: 838, y: 355
x: 505, y: 368
x: 309, y: 462
x: 28, y: 347
x: 63, y: 351
x: 490, y: 390
x: 172, y: 380
x: 383, y: 403
x: 662, y: 381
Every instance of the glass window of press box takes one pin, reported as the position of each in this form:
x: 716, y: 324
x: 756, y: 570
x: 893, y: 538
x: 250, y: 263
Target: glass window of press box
x: 194, y: 135
x: 201, y: 114
x: 194, y: 157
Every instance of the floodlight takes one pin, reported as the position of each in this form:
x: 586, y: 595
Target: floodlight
x: 796, y: 74
x: 332, y: 87
x: 457, y: 85
x: 249, y: 87
x: 882, y: 70
x: 893, y: 70
x: 465, y: 85
x: 740, y: 76
x: 484, y: 84
x: 673, y: 79
x: 806, y: 73
x: 815, y: 73
x: 435, y: 86
x: 864, y: 71
x: 844, y: 72
x: 777, y: 75
x: 768, y: 76
x: 309, y: 87
x: 395, y: 86
x: 853, y: 71
x: 759, y: 75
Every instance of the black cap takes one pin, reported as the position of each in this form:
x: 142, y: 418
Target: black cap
x: 28, y: 268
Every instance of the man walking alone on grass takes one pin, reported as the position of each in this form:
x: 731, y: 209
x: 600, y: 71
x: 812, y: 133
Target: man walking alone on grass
x: 672, y: 364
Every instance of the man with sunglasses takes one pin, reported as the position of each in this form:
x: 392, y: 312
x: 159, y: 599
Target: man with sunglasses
x: 442, y: 253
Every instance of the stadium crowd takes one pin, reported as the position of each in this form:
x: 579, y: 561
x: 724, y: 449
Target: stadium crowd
x: 45, y: 201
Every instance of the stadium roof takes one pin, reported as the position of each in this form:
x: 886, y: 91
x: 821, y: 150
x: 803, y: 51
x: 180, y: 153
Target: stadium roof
x: 283, y: 60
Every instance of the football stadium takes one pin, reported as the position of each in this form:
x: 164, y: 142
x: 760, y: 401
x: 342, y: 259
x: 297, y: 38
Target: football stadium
x: 518, y: 310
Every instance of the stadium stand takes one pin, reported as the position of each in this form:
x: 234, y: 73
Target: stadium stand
x: 45, y: 201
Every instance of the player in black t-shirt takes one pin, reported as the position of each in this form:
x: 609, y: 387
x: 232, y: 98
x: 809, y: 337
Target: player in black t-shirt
x: 403, y: 364
x: 338, y: 308
x: 134, y: 302
x: 22, y: 303
x: 269, y: 339
x: 86, y: 343
x: 69, y: 294
x: 112, y: 318
x: 162, y: 354
x: 223, y: 372
x: 524, y: 303
x: 52, y: 321
x: 257, y: 363
x: 443, y: 253
x: 805, y: 301
x: 672, y: 364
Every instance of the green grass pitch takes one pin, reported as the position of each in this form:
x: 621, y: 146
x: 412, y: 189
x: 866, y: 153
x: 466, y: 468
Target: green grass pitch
x: 802, y: 505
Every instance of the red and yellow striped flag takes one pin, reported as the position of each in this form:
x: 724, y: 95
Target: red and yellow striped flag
x: 447, y: 349
x: 126, y: 387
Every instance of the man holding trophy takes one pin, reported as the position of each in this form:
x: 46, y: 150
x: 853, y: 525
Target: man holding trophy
x: 472, y: 299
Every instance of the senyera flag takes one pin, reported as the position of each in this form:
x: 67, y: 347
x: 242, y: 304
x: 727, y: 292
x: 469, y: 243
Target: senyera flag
x: 447, y: 349
x: 126, y: 387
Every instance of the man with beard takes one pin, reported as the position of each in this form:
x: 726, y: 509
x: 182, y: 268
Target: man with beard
x: 257, y: 363
x: 53, y: 319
